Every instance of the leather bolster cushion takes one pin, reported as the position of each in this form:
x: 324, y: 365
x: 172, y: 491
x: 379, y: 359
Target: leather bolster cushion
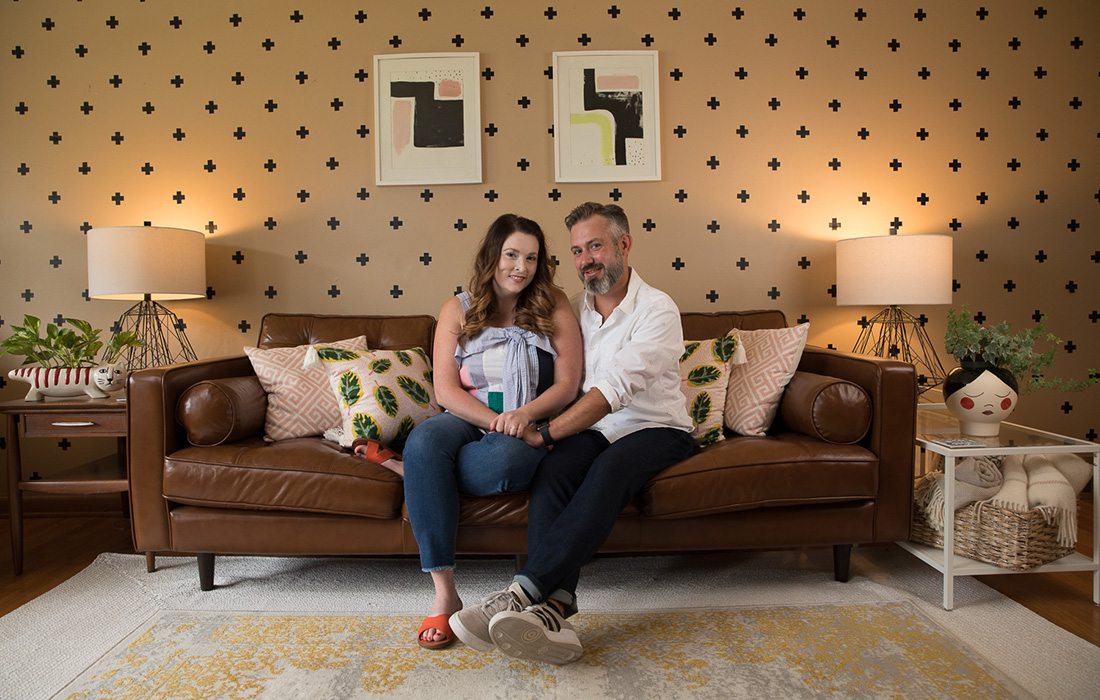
x: 217, y: 411
x: 827, y: 408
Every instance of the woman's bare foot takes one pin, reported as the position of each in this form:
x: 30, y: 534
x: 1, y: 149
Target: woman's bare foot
x: 375, y: 453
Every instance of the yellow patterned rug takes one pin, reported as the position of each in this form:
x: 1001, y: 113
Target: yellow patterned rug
x: 885, y: 649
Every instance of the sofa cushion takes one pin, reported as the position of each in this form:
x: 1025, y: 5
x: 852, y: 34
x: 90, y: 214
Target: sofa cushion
x: 826, y: 408
x: 222, y: 410
x: 756, y: 386
x: 752, y: 472
x: 303, y: 474
x: 704, y: 376
x: 299, y: 402
x: 382, y: 394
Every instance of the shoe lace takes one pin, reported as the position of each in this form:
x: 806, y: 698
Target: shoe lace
x: 500, y: 601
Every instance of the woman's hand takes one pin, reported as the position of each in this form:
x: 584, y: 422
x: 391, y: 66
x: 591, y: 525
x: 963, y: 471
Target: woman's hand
x: 511, y: 422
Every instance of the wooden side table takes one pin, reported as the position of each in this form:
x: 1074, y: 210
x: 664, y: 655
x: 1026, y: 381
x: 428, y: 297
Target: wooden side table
x: 75, y: 417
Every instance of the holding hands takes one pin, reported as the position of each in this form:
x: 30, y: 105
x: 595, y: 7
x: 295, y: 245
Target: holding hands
x: 511, y: 422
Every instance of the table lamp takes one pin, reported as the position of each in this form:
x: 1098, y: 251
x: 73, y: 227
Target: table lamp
x: 891, y: 271
x: 148, y: 264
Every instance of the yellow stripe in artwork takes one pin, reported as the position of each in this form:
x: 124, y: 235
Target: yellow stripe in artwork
x: 601, y: 121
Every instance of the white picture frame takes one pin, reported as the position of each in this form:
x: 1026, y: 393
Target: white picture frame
x: 606, y: 116
x: 427, y: 118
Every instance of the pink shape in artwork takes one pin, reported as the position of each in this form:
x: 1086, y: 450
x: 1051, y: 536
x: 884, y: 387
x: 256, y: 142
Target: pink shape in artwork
x: 402, y: 125
x: 450, y: 88
x: 618, y: 82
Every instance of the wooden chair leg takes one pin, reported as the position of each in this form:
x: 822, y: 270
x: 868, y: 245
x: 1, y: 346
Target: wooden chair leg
x: 842, y: 559
x: 206, y: 572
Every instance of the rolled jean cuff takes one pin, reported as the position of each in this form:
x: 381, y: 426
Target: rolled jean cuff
x: 531, y: 586
x: 567, y: 599
x: 430, y: 569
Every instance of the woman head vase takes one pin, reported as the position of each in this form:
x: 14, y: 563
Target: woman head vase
x: 981, y: 398
x: 535, y: 303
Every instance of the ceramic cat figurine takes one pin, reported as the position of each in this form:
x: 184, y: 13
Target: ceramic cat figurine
x: 56, y: 382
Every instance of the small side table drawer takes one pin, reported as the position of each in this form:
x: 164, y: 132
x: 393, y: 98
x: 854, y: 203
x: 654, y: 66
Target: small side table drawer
x: 74, y: 424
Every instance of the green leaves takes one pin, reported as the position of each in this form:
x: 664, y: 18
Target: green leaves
x: 722, y: 348
x: 365, y: 427
x: 710, y: 437
x: 386, y: 399
x: 414, y: 390
x: 700, y: 408
x: 689, y: 348
x: 403, y: 357
x: 380, y: 366
x: 403, y: 430
x: 351, y: 388
x: 336, y: 354
x: 703, y: 375
x: 61, y: 346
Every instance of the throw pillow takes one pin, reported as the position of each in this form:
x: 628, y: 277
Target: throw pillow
x: 704, y: 374
x: 382, y: 394
x: 299, y: 402
x: 755, y: 388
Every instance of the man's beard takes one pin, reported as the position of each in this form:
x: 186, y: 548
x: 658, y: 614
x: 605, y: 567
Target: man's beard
x: 611, y: 274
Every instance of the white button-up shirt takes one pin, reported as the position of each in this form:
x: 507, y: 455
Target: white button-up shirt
x: 633, y: 359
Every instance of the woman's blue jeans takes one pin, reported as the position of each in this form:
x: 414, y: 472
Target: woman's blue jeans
x: 445, y: 456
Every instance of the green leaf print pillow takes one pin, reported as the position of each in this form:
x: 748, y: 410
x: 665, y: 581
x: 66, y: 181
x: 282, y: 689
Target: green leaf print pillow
x: 704, y: 376
x: 382, y: 394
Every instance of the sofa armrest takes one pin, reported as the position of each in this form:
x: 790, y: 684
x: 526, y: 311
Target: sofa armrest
x: 152, y: 395
x: 892, y: 386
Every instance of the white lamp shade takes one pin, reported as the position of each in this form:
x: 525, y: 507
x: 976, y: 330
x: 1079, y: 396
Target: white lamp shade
x: 893, y: 270
x: 128, y: 262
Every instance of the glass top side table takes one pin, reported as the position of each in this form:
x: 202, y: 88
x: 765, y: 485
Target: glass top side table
x: 934, y: 424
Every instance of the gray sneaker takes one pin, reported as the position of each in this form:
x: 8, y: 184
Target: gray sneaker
x: 538, y: 633
x: 471, y: 625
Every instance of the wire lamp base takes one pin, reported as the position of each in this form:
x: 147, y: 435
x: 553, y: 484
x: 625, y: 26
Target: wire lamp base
x: 162, y: 331
x: 897, y: 334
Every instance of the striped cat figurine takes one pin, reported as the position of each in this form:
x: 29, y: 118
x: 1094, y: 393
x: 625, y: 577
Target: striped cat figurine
x: 70, y: 381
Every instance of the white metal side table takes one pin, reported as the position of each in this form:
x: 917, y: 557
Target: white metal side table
x: 935, y: 424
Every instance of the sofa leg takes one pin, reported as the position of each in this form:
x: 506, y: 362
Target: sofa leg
x: 206, y: 572
x: 842, y: 557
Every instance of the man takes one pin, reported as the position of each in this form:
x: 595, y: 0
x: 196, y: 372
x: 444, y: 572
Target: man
x: 629, y: 423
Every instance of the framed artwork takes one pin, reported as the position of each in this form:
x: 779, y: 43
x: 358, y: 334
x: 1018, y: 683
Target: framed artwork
x: 427, y: 118
x: 606, y: 116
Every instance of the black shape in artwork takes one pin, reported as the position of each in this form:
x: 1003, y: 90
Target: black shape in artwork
x: 625, y: 107
x: 436, y: 123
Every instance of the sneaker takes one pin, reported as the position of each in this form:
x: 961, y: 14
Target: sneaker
x: 471, y: 625
x: 539, y: 633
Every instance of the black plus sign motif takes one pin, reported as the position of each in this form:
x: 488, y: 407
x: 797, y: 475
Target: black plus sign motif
x: 712, y: 296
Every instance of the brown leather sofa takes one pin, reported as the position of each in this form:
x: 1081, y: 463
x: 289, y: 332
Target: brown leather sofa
x: 800, y: 486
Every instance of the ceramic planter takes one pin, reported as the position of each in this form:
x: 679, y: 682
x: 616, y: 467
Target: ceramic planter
x: 980, y: 396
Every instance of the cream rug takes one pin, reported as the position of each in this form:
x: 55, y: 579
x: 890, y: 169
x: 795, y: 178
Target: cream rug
x: 734, y: 625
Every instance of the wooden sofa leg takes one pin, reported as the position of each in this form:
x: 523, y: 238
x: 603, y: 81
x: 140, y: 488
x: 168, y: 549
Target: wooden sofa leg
x: 206, y: 572
x: 842, y: 558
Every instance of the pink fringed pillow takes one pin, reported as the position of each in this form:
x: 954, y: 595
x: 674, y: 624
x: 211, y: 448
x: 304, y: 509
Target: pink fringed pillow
x: 755, y: 387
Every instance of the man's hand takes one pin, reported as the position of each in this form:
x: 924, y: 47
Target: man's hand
x: 532, y: 437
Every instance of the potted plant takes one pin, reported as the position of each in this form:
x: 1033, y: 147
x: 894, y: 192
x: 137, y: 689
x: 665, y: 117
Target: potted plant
x: 66, y: 358
x: 996, y: 365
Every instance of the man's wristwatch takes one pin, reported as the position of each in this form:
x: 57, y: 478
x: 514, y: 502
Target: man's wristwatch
x: 544, y: 430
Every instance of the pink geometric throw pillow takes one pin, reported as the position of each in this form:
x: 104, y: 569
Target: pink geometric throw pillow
x: 299, y: 400
x: 755, y: 388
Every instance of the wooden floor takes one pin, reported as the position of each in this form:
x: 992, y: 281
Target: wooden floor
x: 56, y: 548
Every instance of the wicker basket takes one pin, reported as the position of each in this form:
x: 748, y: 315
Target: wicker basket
x: 1004, y: 538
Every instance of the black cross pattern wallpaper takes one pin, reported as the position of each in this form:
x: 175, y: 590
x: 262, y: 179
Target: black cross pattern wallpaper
x: 786, y: 125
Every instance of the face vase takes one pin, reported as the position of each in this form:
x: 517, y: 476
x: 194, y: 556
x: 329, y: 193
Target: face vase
x: 981, y: 405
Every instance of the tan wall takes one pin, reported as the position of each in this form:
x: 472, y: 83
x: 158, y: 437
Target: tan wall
x: 33, y: 168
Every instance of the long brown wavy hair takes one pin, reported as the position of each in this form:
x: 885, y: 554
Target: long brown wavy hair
x: 535, y: 306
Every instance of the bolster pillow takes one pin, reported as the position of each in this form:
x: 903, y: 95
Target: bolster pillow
x: 827, y: 408
x: 215, y: 411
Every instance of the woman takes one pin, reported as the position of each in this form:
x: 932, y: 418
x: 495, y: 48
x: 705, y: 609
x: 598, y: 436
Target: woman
x: 517, y: 359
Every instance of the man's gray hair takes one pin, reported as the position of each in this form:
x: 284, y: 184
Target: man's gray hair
x: 612, y: 212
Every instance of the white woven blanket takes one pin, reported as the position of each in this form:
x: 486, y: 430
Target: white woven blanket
x: 1048, y: 483
x: 976, y: 479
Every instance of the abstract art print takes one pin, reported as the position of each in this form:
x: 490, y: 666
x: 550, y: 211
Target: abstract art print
x: 606, y: 116
x: 427, y: 116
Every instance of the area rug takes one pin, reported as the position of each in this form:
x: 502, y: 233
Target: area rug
x: 770, y: 624
x: 844, y: 650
